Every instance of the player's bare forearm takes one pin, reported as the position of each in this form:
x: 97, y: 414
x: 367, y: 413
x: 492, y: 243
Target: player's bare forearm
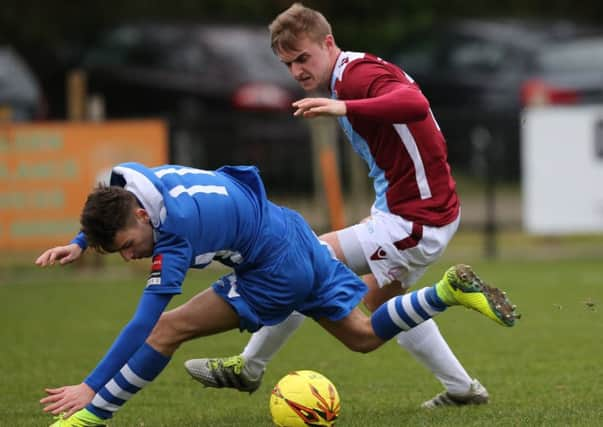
x: 313, y: 107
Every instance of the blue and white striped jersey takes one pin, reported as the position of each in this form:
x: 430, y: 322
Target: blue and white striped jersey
x: 201, y: 215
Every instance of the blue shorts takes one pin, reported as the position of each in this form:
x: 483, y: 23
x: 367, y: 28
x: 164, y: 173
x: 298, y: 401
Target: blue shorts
x: 302, y: 277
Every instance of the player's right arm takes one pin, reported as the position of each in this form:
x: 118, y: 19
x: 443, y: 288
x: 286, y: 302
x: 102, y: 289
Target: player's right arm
x: 64, y: 254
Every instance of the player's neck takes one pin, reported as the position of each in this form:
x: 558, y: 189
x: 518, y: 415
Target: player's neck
x: 334, y: 58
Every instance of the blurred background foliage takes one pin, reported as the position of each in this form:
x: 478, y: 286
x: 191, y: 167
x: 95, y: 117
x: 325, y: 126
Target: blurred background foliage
x: 358, y: 24
x: 51, y: 35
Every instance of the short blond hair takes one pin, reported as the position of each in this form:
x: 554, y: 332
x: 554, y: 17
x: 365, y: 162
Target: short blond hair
x: 295, y: 23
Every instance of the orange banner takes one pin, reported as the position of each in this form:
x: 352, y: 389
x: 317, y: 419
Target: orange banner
x: 47, y: 170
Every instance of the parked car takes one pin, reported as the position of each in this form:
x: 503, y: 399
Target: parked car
x: 479, y: 75
x: 20, y: 96
x: 225, y: 95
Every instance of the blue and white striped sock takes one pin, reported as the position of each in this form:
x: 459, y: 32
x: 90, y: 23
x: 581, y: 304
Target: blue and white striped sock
x: 406, y: 311
x: 140, y: 370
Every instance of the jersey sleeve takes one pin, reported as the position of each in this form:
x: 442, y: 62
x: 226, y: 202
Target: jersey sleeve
x: 80, y: 240
x: 402, y: 105
x: 367, y: 79
x: 371, y: 90
x: 171, y: 261
x: 129, y: 340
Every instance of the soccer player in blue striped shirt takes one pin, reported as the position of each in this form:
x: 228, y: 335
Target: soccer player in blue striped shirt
x: 185, y: 218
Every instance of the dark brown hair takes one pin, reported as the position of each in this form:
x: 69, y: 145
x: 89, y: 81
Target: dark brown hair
x: 297, y: 22
x: 107, y: 210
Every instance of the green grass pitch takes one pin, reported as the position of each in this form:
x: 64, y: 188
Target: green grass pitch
x: 547, y: 371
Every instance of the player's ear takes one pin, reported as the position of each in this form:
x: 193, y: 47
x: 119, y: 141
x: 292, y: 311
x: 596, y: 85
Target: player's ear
x: 329, y: 41
x: 142, y: 215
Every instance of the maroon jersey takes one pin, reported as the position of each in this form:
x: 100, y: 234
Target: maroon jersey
x: 390, y: 124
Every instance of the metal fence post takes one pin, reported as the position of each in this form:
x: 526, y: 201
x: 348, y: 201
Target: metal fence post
x: 485, y: 158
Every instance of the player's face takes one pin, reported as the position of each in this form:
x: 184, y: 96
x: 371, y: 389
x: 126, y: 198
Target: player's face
x: 311, y: 63
x: 136, y: 240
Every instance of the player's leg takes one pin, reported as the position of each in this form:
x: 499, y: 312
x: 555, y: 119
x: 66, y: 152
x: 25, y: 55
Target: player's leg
x: 205, y: 314
x: 427, y: 345
x: 210, y: 371
x: 266, y: 342
x: 334, y: 305
x: 283, y: 287
x: 459, y: 286
x: 354, y: 331
x: 378, y: 295
x: 244, y: 372
x: 363, y: 334
x: 425, y: 342
x: 247, y: 369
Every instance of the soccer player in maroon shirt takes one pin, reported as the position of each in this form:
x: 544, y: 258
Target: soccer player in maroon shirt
x: 416, y: 210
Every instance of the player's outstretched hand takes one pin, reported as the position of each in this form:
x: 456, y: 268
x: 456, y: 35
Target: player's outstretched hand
x: 312, y: 107
x: 62, y: 254
x: 67, y: 400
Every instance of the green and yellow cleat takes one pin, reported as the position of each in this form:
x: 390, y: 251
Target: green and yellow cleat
x: 461, y: 286
x: 82, y: 418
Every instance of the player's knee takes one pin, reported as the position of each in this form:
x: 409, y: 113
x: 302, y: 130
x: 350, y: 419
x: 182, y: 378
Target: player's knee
x: 359, y: 348
x: 362, y: 346
x: 363, y: 341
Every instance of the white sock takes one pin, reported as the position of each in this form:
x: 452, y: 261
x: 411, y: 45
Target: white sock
x: 264, y: 343
x: 426, y: 344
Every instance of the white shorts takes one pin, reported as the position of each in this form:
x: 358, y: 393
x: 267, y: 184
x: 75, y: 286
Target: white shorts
x: 393, y: 248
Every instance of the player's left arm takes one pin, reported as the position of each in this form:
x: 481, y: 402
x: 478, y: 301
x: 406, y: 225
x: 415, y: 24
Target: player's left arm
x: 170, y: 264
x: 69, y: 399
x: 401, y: 104
x: 376, y: 91
x: 370, y: 90
x: 314, y: 107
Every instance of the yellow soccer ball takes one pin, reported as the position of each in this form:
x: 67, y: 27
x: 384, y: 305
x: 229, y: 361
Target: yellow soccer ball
x: 304, y: 398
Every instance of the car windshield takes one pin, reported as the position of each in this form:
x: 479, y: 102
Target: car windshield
x: 250, y: 49
x: 113, y: 47
x: 575, y: 55
x: 190, y: 49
